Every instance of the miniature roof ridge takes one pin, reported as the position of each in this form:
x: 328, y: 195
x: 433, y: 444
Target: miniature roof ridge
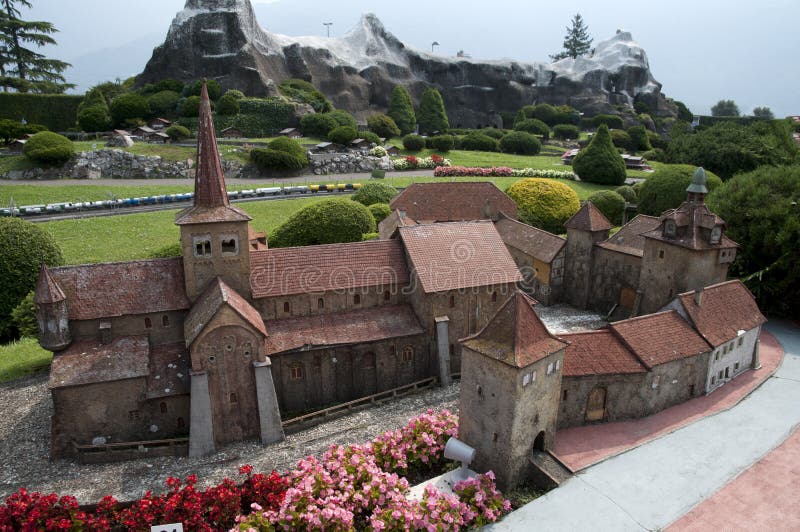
x: 588, y: 218
x: 47, y: 289
x: 208, y: 304
x: 209, y: 180
x: 717, y: 285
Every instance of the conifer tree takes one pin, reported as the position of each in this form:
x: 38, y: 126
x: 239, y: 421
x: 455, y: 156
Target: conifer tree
x: 577, y: 41
x: 401, y: 110
x: 599, y: 162
x: 432, y: 116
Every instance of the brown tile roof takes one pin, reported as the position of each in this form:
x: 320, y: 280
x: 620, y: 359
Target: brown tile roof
x: 121, y: 288
x: 532, y: 240
x: 693, y: 223
x: 453, y: 202
x: 629, y: 238
x: 598, y: 353
x: 169, y: 370
x: 202, y: 215
x: 588, y: 218
x: 286, y: 271
x: 660, y: 338
x: 389, y: 225
x: 355, y: 327
x: 208, y: 304
x: 451, y: 256
x: 724, y: 310
x: 515, y: 334
x: 47, y: 289
x: 87, y: 362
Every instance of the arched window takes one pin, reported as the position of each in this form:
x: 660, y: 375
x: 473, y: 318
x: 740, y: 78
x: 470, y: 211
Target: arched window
x: 320, y: 303
x: 387, y: 296
x: 408, y: 353
x: 286, y: 307
x: 494, y: 297
x: 452, y: 301
x: 357, y: 299
x: 163, y: 408
x: 234, y: 399
x: 165, y: 320
x: 148, y: 323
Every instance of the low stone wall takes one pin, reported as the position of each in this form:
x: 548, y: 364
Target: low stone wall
x: 347, y: 163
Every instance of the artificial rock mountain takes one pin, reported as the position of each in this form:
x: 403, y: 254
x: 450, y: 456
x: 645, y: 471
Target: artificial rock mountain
x: 221, y: 39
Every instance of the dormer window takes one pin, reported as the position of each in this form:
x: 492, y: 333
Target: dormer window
x: 669, y: 228
x: 716, y: 234
x: 229, y: 245
x: 202, y: 246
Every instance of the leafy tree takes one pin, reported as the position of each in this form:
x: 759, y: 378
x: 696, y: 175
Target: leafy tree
x: 317, y: 124
x: 212, y: 85
x: 110, y: 89
x: 49, y: 148
x: 190, y: 108
x: 326, y: 222
x: 12, y: 130
x: 21, y: 67
x: 577, y: 41
x: 172, y: 85
x: 369, y: 136
x: 621, y: 139
x: 610, y: 203
x: 343, y: 118
x: 432, y: 116
x: 374, y: 192
x: 684, y: 114
x: 599, y: 162
x: 129, y: 106
x: 383, y: 126
x: 24, y: 317
x: 94, y: 119
x: 763, y: 112
x: 234, y: 93
x: 401, y: 109
x: 282, y: 154
x: 163, y: 103
x: 23, y: 248
x: 380, y: 211
x: 666, y: 188
x: 343, y: 135
x: 544, y: 203
x: 725, y: 108
x: 228, y: 105
x: 628, y: 193
x: 762, y: 212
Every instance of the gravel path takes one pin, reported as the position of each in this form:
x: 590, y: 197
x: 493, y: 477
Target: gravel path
x: 26, y: 407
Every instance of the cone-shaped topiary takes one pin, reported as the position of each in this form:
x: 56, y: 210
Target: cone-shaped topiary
x: 544, y: 203
x: 432, y: 116
x: 401, y: 109
x: 599, y: 162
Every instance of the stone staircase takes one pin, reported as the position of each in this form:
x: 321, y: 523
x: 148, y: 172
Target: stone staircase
x: 548, y: 472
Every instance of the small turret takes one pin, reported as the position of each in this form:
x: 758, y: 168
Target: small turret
x: 696, y: 191
x: 51, y: 312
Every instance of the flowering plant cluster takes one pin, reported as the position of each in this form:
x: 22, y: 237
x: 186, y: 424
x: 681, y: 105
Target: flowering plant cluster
x: 378, y: 151
x: 502, y: 171
x: 548, y: 174
x: 410, y: 162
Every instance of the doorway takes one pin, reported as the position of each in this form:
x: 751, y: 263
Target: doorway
x: 538, y: 443
x: 596, y: 405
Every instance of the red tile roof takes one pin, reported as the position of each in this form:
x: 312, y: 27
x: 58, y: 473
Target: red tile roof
x: 451, y: 256
x: 629, y: 238
x: 355, y: 327
x: 724, y: 310
x: 515, y: 334
x: 453, y: 202
x: 598, y: 353
x: 693, y: 221
x: 531, y: 240
x: 208, y: 304
x: 588, y: 218
x: 660, y: 338
x: 107, y: 290
x: 47, y: 289
x: 87, y: 362
x: 286, y: 271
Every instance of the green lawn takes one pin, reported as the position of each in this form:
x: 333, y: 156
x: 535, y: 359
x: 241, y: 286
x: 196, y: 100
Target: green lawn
x: 21, y: 358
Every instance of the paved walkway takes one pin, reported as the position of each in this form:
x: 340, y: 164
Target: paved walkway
x: 652, y: 486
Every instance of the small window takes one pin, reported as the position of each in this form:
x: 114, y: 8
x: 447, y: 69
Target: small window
x: 320, y: 303
x: 656, y: 381
x: 716, y: 234
x: 133, y: 415
x: 212, y: 359
x: 296, y: 373
x: 716, y: 355
x: 660, y: 253
x: 736, y: 367
x: 740, y: 341
x: 163, y: 408
x: 202, y: 246
x: 408, y: 353
x: 494, y: 437
x: 533, y: 377
x: 479, y: 389
x: 669, y: 228
x: 558, y: 364
x: 181, y: 423
x: 286, y: 307
x: 247, y: 350
x: 452, y: 301
x: 494, y: 297
x: 392, y: 350
x: 713, y: 380
x: 550, y: 368
x: 368, y: 360
x: 526, y: 379
x: 387, y: 296
x: 719, y: 375
x: 165, y: 320
x: 564, y: 395
x: 148, y: 323
x: 357, y: 299
x: 234, y: 399
x: 229, y: 245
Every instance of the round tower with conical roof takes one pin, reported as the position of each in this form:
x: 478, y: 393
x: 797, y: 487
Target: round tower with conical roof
x: 52, y: 313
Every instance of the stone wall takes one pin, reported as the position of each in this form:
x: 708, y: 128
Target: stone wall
x: 347, y: 163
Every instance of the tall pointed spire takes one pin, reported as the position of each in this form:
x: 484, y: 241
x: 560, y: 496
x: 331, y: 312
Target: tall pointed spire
x: 209, y: 179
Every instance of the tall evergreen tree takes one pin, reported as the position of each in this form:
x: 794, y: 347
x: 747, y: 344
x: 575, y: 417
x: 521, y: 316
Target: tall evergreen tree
x: 432, y: 116
x: 577, y: 41
x: 21, y: 67
x: 402, y: 110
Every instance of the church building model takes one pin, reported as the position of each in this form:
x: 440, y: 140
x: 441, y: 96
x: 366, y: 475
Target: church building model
x: 187, y: 354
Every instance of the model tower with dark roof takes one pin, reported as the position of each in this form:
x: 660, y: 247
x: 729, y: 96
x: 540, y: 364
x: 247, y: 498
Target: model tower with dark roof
x: 586, y: 228
x: 51, y: 312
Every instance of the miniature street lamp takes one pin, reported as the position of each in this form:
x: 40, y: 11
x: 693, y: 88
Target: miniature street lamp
x: 434, y: 43
x: 328, y: 27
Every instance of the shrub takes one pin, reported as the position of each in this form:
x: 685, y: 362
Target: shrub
x: 317, y: 124
x: 640, y: 141
x: 267, y: 160
x: 369, y: 136
x: 534, y: 126
x: 228, y: 105
x: 544, y: 203
x: 374, y: 192
x: 612, y: 121
x: 291, y: 146
x: 343, y: 135
x: 327, y: 222
x: 383, y: 126
x: 656, y: 154
x: 48, y: 148
x: 94, y: 98
x: 191, y: 107
x: 178, y: 132
x: 479, y: 142
x: 666, y: 188
x: 129, y: 106
x: 432, y: 116
x: 493, y: 132
x: 413, y: 142
x: 520, y: 142
x: 544, y: 112
x: 233, y: 93
x: 304, y: 92
x: 657, y: 141
x: 212, y: 86
x: 24, y: 246
x: 628, y: 193
x: 610, y: 204
x: 599, y: 162
x: 24, y: 317
x: 163, y: 103
x: 94, y: 118
x: 621, y: 139
x: 343, y: 118
x: 401, y: 109
x: 380, y: 211
x: 168, y: 251
x: 566, y: 131
x: 443, y: 143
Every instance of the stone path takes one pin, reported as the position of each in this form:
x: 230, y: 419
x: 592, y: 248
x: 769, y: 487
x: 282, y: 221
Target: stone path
x: 652, y: 486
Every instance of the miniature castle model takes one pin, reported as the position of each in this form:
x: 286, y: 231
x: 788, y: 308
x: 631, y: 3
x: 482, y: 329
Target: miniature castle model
x: 185, y: 355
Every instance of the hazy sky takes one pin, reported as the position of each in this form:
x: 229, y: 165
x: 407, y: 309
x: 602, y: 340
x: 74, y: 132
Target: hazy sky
x: 700, y: 50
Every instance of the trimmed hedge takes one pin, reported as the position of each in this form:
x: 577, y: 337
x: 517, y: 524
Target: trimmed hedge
x: 639, y: 138
x: 282, y: 154
x: 521, y: 143
x: 443, y: 143
x: 544, y: 203
x: 493, y: 132
x: 374, y: 192
x: 413, y: 142
x: 379, y: 212
x: 612, y: 121
x: 599, y: 162
x: 343, y: 135
x: 178, y: 132
x: 369, y: 136
x: 566, y: 131
x: 621, y: 139
x: 610, y: 204
x: 48, y: 148
x: 318, y: 124
x: 666, y: 188
x: 258, y: 117
x: 534, y: 126
x: 327, y: 222
x: 58, y: 112
x: 383, y: 126
x: 479, y: 142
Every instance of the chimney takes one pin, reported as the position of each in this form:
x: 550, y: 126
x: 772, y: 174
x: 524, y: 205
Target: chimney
x: 698, y: 296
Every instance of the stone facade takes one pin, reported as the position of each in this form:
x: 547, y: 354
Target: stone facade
x: 347, y: 163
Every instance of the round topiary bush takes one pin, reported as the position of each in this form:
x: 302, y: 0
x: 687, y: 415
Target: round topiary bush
x: 290, y: 146
x: 343, y: 118
x: 281, y: 155
x: 656, y: 154
x: 521, y: 143
x: 234, y: 93
x: 666, y: 188
x: 413, y: 142
x: 23, y: 317
x: 24, y: 246
x: 599, y: 162
x: 375, y: 192
x: 178, y: 132
x: 479, y: 142
x: 383, y: 126
x: 95, y: 118
x: 129, y: 107
x: 343, y: 135
x: 48, y: 148
x: 611, y: 121
x: 228, y: 105
x: 628, y: 193
x: 534, y: 126
x: 369, y: 136
x: 326, y: 222
x: 544, y: 203
x: 611, y: 204
x: 380, y: 211
x: 318, y: 124
x: 443, y: 143
x: 566, y: 131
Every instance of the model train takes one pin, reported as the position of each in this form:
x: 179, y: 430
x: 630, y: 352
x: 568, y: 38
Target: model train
x: 53, y: 208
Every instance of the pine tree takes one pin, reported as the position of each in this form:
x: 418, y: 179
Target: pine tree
x: 432, y: 116
x: 577, y: 41
x: 21, y: 68
x: 402, y: 110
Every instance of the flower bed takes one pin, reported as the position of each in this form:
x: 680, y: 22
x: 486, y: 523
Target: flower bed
x: 502, y: 171
x: 410, y: 162
x: 361, y: 487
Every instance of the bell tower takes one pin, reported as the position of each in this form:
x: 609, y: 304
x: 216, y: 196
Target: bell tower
x: 214, y: 233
